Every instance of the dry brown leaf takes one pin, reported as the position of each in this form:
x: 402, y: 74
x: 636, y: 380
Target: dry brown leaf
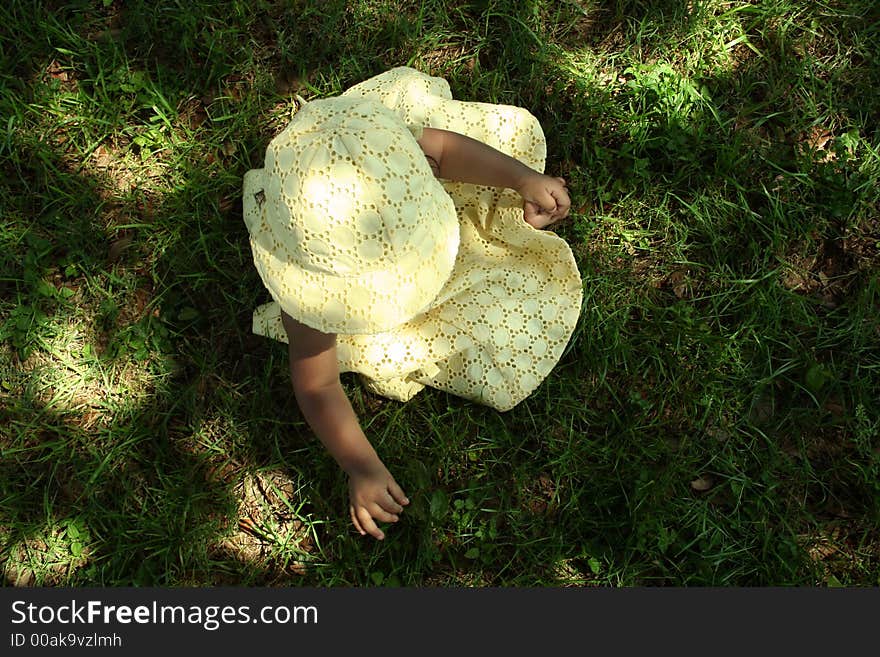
x: 677, y: 280
x: 118, y: 247
x: 19, y: 576
x: 102, y: 157
x: 140, y: 300
x: 248, y: 526
x: 54, y: 70
x: 818, y: 138
x: 835, y: 408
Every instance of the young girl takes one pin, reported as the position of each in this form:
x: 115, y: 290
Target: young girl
x: 395, y: 229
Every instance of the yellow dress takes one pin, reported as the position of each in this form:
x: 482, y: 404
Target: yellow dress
x: 507, y: 311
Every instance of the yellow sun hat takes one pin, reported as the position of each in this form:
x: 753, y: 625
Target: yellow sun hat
x: 350, y: 231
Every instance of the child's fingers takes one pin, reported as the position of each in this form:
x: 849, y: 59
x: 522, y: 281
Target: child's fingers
x: 560, y: 191
x: 562, y: 200
x: 547, y: 202
x: 397, y: 493
x: 354, y: 520
x: 389, y: 504
x: 366, y: 522
x: 563, y: 204
x: 534, y: 216
x: 379, y: 513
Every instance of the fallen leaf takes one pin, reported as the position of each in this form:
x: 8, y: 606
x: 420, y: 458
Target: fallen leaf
x: 102, y: 157
x: 818, y: 138
x: 118, y: 247
x: 703, y: 483
x: 248, y: 526
x: 677, y: 280
x: 537, y: 506
x: 55, y: 71
x: 718, y: 434
x: 196, y: 113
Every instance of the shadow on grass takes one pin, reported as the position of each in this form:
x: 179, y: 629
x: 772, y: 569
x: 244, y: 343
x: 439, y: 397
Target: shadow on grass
x: 124, y: 501
x: 152, y: 490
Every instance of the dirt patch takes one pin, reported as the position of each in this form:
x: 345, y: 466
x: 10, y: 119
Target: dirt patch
x: 828, y: 270
x: 538, y: 496
x: 269, y: 528
x: 844, y: 552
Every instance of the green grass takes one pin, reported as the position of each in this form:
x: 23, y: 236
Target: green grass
x: 715, y: 420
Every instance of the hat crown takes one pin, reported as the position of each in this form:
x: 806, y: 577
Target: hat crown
x: 346, y: 180
x: 350, y: 231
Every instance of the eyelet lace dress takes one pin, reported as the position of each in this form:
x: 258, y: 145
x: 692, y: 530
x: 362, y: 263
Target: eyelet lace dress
x: 507, y: 311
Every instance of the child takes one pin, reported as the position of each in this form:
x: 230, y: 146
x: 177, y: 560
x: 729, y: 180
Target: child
x: 376, y: 266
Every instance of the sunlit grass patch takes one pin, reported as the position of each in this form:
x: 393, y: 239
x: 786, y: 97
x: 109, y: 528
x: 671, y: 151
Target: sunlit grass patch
x: 50, y: 557
x: 274, y: 532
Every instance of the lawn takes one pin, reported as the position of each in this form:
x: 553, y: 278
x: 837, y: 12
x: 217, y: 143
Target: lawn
x: 715, y: 419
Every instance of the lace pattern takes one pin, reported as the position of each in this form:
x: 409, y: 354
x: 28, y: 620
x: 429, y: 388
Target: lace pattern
x: 503, y: 317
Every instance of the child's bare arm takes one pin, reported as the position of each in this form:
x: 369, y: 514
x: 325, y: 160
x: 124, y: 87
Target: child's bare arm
x: 460, y: 158
x: 314, y: 374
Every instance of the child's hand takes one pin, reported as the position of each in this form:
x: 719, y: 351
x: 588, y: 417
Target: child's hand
x: 373, y: 493
x: 546, y: 200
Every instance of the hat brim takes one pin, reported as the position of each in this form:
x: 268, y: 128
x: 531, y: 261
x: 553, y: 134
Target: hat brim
x: 364, y: 302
